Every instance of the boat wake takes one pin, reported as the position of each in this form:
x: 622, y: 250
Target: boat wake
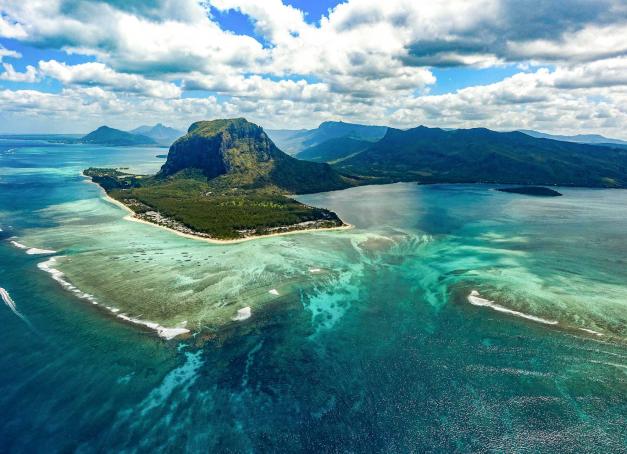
x: 475, y: 299
x: 11, y: 305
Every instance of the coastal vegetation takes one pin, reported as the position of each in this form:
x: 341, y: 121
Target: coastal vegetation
x: 225, y: 179
x: 538, y: 191
x: 434, y: 155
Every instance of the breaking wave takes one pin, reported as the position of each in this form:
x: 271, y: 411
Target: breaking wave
x: 475, y: 299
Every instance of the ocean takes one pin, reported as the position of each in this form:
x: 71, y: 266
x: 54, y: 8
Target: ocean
x: 450, y: 318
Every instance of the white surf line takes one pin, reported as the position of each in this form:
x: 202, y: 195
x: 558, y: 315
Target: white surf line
x: 57, y: 275
x: 242, y: 314
x: 591, y: 331
x: 32, y: 250
x: 475, y: 299
x: 18, y: 245
x: 37, y: 251
x: 10, y: 303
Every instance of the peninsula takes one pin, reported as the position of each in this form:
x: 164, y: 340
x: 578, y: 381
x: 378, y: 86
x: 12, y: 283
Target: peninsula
x: 226, y: 180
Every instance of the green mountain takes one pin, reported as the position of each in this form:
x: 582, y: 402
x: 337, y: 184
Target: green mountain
x: 334, y: 150
x: 431, y: 155
x: 105, y: 135
x: 160, y: 133
x: 295, y: 141
x: 226, y: 179
x: 622, y: 146
x: 240, y: 154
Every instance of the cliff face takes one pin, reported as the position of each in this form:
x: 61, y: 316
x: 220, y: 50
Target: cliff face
x: 246, y: 157
x: 219, y: 147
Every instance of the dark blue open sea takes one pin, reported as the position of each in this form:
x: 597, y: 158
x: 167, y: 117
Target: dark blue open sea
x: 449, y: 319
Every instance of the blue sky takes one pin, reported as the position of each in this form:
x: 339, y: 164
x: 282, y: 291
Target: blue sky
x: 71, y: 65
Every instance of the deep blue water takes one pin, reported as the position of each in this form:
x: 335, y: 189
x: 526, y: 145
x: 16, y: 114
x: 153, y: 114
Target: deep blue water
x: 382, y: 354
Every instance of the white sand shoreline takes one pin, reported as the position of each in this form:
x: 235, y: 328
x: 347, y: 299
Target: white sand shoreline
x: 131, y: 217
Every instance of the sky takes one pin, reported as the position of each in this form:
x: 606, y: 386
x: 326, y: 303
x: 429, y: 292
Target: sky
x: 69, y: 66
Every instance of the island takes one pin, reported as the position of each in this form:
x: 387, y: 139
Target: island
x: 226, y: 180
x: 538, y: 191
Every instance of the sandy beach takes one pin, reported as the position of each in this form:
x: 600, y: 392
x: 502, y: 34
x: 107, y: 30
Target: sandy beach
x: 131, y: 217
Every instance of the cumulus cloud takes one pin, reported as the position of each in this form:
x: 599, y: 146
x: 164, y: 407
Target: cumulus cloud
x: 9, y: 29
x: 97, y: 74
x: 273, y: 19
x: 29, y: 75
x: 83, y: 108
x: 160, y: 36
x: 4, y: 52
x: 260, y: 88
x: 366, y: 60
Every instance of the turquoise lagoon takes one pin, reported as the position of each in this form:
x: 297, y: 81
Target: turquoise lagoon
x: 361, y: 340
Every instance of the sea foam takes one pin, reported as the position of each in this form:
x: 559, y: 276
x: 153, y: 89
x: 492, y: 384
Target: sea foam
x: 32, y: 250
x: 57, y: 275
x: 475, y: 299
x: 242, y: 314
x: 591, y: 331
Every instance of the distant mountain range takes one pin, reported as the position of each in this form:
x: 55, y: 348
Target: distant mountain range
x: 432, y: 155
x: 594, y: 139
x: 294, y: 141
x: 144, y: 135
x: 163, y: 135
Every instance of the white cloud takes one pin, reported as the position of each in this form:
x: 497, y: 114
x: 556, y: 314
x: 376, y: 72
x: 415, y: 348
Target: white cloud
x: 4, y: 52
x: 259, y: 87
x: 9, y: 29
x: 78, y: 110
x: 170, y: 37
x: 588, y: 44
x: 10, y: 74
x: 273, y: 19
x: 367, y: 60
x: 97, y: 74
